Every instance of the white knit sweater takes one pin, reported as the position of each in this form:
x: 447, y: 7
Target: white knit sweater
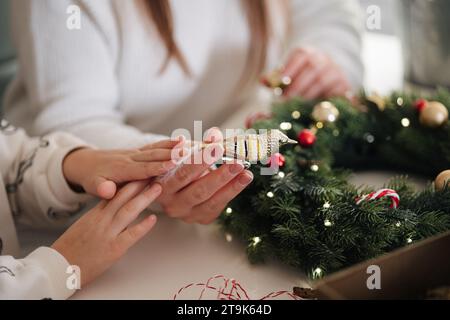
x: 102, y: 82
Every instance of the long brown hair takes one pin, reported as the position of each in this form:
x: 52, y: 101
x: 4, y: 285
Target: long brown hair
x: 258, y: 21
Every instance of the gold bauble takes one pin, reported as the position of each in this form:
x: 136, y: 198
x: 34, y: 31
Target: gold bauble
x: 441, y: 180
x: 325, y: 112
x: 434, y: 115
x: 276, y: 80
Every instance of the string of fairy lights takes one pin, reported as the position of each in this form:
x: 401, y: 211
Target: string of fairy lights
x: 432, y: 114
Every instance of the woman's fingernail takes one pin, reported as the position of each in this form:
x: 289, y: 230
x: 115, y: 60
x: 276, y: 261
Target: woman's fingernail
x: 235, y: 168
x: 246, y: 178
x: 156, y: 188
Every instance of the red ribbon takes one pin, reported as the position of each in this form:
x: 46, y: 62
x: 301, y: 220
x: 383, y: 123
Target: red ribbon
x: 230, y: 290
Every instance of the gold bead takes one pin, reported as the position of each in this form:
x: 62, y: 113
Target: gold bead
x: 434, y: 115
x: 325, y: 112
x: 442, y: 180
x: 275, y: 79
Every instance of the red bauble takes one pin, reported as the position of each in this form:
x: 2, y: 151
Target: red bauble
x: 279, y: 159
x: 420, y: 104
x: 252, y: 118
x: 306, y: 138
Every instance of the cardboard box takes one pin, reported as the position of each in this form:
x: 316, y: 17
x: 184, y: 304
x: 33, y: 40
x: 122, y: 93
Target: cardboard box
x: 407, y: 273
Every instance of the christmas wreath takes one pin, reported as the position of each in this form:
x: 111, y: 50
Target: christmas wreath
x: 309, y: 216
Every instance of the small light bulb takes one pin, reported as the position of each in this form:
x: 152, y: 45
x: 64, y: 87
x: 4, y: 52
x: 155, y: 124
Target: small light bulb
x: 400, y: 101
x: 406, y: 123
x: 327, y: 223
x: 270, y: 194
x: 369, y: 138
x: 229, y: 237
x: 326, y: 205
x: 336, y: 132
x: 286, y: 80
x: 317, y: 273
x: 281, y: 174
x: 398, y: 224
x: 278, y: 92
x: 256, y: 240
x: 319, y: 125
x: 331, y: 118
x: 409, y: 240
x: 296, y: 115
x: 315, y: 168
x: 229, y: 211
x: 286, y: 126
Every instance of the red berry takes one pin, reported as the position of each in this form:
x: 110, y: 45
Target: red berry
x: 420, y: 104
x: 307, y: 138
x: 279, y: 159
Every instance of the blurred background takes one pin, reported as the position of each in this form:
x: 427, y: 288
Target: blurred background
x: 416, y: 32
x: 388, y: 8
x: 410, y: 49
x: 412, y: 41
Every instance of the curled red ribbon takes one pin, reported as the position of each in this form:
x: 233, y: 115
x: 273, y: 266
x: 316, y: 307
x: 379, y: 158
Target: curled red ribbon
x: 230, y: 290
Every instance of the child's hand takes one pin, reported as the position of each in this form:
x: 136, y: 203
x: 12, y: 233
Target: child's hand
x: 105, y: 233
x: 99, y: 172
x: 197, y: 195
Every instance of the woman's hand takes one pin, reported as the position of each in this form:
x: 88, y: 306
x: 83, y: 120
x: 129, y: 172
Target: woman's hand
x: 196, y: 194
x: 100, y: 172
x: 104, y: 234
x: 313, y: 75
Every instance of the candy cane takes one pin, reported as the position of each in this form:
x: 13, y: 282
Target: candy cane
x: 389, y: 193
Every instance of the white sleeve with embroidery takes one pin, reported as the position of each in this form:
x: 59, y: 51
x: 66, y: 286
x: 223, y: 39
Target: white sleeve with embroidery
x: 33, y: 190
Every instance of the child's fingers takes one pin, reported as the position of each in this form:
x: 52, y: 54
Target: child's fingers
x: 131, y: 210
x: 124, y: 195
x: 164, y: 144
x: 146, y: 170
x: 106, y: 189
x: 133, y: 234
x: 174, y: 154
x: 152, y: 155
